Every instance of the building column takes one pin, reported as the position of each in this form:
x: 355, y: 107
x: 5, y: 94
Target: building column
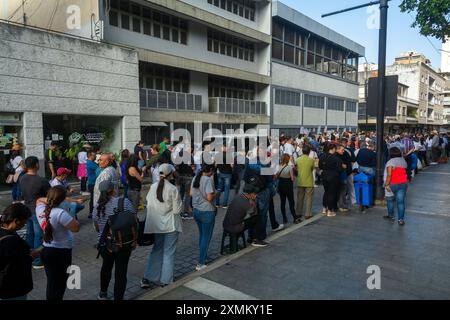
x: 131, y: 131
x: 33, y: 137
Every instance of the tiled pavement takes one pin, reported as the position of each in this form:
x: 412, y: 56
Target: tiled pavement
x: 84, y: 256
x: 328, y: 259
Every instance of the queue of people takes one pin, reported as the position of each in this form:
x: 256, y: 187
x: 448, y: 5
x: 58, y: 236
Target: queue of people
x: 188, y: 191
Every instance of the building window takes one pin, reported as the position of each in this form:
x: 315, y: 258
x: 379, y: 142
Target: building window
x: 230, y: 88
x: 321, y: 56
x: 141, y: 19
x: 285, y: 97
x: 312, y: 101
x: 163, y: 78
x: 351, y: 106
x: 335, y: 104
x: 224, y: 44
x: 243, y: 8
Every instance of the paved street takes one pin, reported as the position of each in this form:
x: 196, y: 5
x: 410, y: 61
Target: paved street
x: 328, y: 258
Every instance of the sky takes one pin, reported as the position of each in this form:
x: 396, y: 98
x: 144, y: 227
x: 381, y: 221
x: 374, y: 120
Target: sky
x: 358, y: 25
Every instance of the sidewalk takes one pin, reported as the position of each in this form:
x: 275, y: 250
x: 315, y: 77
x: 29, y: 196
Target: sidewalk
x: 84, y: 254
x: 328, y: 259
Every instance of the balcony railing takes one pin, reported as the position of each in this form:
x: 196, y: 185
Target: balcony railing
x: 169, y: 100
x: 237, y: 106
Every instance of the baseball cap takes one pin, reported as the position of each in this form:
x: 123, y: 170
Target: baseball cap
x: 105, y: 186
x: 62, y: 171
x: 165, y: 170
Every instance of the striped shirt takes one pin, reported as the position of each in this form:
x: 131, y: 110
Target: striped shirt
x: 408, y: 144
x: 109, y: 210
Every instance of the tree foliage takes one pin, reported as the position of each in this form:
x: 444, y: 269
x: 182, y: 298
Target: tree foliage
x: 432, y: 16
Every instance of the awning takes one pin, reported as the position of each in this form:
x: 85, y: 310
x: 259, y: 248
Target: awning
x: 153, y: 124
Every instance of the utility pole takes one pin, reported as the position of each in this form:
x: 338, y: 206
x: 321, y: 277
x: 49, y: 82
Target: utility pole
x: 381, y: 87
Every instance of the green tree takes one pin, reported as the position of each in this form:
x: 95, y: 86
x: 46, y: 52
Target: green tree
x: 432, y: 16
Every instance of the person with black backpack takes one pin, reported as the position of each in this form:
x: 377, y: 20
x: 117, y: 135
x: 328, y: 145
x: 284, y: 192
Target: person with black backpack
x: 16, y: 279
x: 117, y: 225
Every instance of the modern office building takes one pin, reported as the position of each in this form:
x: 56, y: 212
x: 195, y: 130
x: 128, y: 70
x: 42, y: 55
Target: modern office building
x: 203, y: 61
x: 314, y: 74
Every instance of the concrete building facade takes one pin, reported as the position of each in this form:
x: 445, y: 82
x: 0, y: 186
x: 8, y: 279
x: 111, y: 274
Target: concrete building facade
x: 420, y: 99
x: 314, y: 74
x: 205, y: 61
x: 53, y: 86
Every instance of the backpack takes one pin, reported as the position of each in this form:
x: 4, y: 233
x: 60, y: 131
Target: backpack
x: 253, y: 177
x: 9, y: 169
x: 121, y: 230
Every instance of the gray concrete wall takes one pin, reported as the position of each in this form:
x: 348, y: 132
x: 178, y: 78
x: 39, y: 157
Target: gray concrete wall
x: 45, y: 73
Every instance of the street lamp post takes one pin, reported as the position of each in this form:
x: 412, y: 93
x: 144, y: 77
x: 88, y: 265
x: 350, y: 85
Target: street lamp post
x: 381, y: 87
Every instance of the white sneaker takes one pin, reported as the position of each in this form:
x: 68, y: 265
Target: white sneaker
x: 200, y: 267
x: 433, y: 163
x: 280, y: 227
x: 331, y: 214
x: 324, y: 211
x: 85, y: 194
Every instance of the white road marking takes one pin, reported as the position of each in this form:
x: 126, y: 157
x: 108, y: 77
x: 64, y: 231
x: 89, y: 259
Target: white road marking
x: 428, y: 213
x: 216, y: 290
x: 438, y: 172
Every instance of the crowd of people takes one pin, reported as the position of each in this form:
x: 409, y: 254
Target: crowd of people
x: 191, y: 190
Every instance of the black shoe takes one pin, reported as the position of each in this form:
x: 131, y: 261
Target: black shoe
x: 259, y: 243
x: 401, y: 222
x: 145, y: 283
x: 299, y: 220
x: 389, y: 217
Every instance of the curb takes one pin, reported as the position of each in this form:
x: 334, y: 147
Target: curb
x: 155, y: 293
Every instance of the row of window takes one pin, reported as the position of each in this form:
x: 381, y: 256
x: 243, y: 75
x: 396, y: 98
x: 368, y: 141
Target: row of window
x: 293, y: 98
x: 224, y: 44
x: 295, y: 46
x: 243, y: 8
x: 230, y: 88
x: 163, y: 78
x: 140, y: 19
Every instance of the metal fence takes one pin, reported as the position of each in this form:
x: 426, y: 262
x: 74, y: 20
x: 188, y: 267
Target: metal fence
x: 169, y: 100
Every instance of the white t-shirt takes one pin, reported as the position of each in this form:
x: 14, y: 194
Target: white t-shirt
x: 288, y: 149
x: 82, y: 157
x: 59, y: 219
x: 16, y: 164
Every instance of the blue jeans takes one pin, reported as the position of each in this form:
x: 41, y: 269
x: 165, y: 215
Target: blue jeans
x: 262, y: 203
x: 34, y: 236
x: 141, y: 163
x: 399, y: 191
x: 224, y: 184
x: 16, y: 192
x: 161, y: 260
x: 205, y: 222
x: 71, y: 207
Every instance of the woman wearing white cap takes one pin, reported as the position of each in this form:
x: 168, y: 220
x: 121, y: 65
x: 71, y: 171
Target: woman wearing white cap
x: 164, y: 221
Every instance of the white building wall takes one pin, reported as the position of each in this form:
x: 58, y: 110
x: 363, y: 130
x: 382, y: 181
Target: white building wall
x: 313, y: 117
x: 287, y: 115
x: 336, y: 118
x: 45, y: 73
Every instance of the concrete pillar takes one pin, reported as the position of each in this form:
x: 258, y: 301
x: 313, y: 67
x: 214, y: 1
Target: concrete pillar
x: 33, y: 137
x: 131, y: 131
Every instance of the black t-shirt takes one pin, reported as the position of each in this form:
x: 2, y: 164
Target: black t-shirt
x: 346, y: 159
x: 223, y: 167
x: 331, y: 165
x: 15, y: 261
x: 239, y: 209
x: 138, y: 150
x: 33, y: 187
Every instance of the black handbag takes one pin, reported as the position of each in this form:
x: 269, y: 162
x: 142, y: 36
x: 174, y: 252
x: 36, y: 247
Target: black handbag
x: 144, y: 239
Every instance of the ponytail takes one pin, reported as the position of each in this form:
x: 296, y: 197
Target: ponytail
x: 197, y: 178
x: 104, y: 198
x: 55, y: 197
x: 160, y: 189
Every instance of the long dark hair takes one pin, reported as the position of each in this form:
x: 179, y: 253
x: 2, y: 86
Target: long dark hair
x: 160, y: 189
x: 105, y: 197
x: 124, y: 155
x: 55, y: 197
x: 205, y: 169
x: 132, y: 162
